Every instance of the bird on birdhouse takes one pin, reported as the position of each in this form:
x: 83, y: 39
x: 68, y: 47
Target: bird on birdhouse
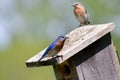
x: 80, y: 13
x: 54, y: 47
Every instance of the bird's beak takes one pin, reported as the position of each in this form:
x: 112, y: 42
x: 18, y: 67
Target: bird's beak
x: 73, y: 5
x: 66, y: 37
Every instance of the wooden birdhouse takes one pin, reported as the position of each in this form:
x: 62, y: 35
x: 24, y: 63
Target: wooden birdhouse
x: 88, y: 54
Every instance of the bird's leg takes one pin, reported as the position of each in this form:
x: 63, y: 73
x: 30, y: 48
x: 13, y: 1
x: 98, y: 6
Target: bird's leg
x: 80, y: 25
x: 58, y: 56
x: 89, y: 22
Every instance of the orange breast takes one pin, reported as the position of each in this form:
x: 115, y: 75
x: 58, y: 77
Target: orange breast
x: 79, y: 12
x: 59, y: 44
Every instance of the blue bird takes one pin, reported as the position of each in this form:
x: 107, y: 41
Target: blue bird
x: 54, y: 47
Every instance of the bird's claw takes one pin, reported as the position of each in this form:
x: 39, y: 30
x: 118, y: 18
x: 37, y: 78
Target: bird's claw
x: 57, y: 56
x: 80, y: 25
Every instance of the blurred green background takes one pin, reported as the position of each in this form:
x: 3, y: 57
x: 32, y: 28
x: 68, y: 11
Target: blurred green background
x: 28, y: 26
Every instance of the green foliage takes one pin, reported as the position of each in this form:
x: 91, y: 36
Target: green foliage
x: 116, y: 43
x: 13, y: 62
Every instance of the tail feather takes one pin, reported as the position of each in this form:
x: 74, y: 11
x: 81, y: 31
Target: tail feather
x: 42, y: 57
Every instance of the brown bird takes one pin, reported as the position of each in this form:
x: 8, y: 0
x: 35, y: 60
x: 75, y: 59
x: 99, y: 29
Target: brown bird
x: 80, y: 13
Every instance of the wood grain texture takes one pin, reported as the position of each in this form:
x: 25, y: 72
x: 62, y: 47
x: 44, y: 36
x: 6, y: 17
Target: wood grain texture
x: 98, y: 61
x: 65, y: 71
x: 79, y: 39
x: 115, y: 60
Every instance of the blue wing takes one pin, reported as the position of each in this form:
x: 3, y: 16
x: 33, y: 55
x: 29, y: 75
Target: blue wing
x: 50, y: 47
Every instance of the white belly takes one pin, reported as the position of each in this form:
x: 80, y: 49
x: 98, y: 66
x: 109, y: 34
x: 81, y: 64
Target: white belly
x: 81, y: 19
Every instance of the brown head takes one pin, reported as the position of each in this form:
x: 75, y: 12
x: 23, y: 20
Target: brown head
x: 76, y: 4
x: 61, y: 41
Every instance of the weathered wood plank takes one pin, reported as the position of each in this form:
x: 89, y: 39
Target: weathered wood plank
x: 115, y: 60
x: 78, y: 40
x: 88, y: 35
x: 98, y: 61
x: 98, y: 64
x: 65, y: 71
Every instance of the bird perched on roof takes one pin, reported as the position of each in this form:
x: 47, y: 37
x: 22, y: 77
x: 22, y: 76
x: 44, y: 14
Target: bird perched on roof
x: 54, y: 47
x: 80, y: 13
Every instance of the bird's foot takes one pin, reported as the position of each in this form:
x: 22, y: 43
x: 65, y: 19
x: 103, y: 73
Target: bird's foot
x: 89, y: 22
x: 57, y: 56
x: 80, y: 25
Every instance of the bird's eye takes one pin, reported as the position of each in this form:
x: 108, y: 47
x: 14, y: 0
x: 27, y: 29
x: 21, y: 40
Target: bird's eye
x: 63, y: 37
x: 76, y: 4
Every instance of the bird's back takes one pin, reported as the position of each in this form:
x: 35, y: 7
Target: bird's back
x: 50, y: 47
